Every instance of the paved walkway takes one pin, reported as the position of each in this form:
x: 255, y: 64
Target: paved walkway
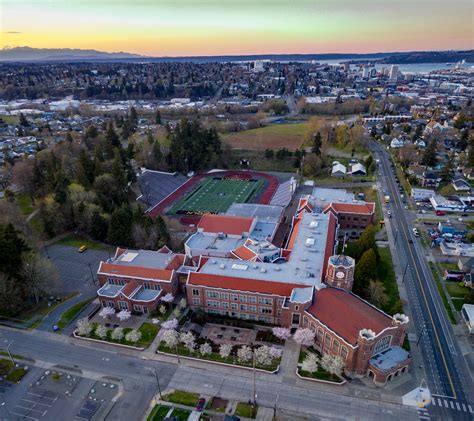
x: 289, y: 359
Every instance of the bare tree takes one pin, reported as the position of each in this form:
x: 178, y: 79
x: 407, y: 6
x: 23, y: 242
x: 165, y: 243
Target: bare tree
x: 39, y: 275
x: 376, y: 293
x: 23, y: 177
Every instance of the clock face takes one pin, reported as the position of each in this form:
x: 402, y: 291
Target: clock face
x: 340, y: 275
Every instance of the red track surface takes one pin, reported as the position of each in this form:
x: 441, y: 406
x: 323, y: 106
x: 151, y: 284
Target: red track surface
x: 192, y: 182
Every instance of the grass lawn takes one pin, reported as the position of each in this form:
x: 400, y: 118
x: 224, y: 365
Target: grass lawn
x: 181, y: 414
x: 214, y: 356
x: 442, y: 294
x: 181, y: 397
x: 245, y: 410
x: 16, y: 375
x: 274, y: 136
x: 258, y: 161
x: 457, y: 303
x: 449, y: 266
x: 5, y: 367
x: 25, y: 204
x: 386, y: 275
x: 456, y: 290
x: 158, y: 413
x: 10, y: 119
x: 77, y: 241
x: 69, y: 314
x: 321, y: 374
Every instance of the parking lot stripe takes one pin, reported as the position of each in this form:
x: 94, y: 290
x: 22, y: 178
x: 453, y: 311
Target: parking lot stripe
x: 29, y: 409
x: 24, y: 416
x: 37, y: 403
x: 42, y: 396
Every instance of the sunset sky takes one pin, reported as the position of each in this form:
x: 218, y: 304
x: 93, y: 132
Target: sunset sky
x: 217, y: 27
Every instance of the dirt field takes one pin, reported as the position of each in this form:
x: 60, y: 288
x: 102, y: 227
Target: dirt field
x: 276, y: 136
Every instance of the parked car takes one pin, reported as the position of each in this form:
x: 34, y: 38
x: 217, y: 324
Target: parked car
x: 82, y: 249
x: 200, y: 404
x: 440, y: 213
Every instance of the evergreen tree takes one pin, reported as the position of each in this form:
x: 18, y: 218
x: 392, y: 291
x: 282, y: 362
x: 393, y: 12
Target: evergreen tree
x: 120, y: 226
x: 91, y: 132
x: 364, y: 272
x: 12, y: 249
x: 99, y: 226
x: 85, y: 169
x: 112, y: 137
x: 470, y: 153
x: 158, y: 117
x: 365, y: 242
x: 446, y: 173
x: 429, y: 157
x: 23, y: 120
x: 418, y: 132
x: 69, y: 137
x: 269, y: 154
x: 316, y: 147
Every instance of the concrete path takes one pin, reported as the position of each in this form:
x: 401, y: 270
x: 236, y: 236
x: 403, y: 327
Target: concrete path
x: 289, y: 360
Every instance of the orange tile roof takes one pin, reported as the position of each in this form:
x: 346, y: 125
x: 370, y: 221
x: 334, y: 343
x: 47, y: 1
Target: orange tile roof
x: 134, y: 272
x: 234, y: 225
x: 243, y: 253
x: 128, y: 289
x: 242, y: 284
x: 331, y: 238
x: 364, y: 209
x: 346, y: 314
x: 176, y: 262
x: 294, y: 233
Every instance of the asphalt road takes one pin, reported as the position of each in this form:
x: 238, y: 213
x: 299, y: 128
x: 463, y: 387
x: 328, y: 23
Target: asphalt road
x: 447, y: 371
x: 139, y: 383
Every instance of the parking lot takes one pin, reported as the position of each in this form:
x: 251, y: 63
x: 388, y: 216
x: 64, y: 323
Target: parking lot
x: 57, y: 395
x: 75, y: 269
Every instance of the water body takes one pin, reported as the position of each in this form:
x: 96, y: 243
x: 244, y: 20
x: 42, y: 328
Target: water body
x: 411, y: 68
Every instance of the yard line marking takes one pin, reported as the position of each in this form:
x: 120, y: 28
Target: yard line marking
x: 24, y: 416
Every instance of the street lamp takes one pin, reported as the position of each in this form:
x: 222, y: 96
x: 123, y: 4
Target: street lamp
x: 9, y: 353
x: 153, y: 370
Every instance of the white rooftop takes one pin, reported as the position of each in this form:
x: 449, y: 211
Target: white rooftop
x: 143, y: 258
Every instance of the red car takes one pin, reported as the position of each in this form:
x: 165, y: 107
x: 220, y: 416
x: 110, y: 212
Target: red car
x: 200, y: 404
x: 440, y: 213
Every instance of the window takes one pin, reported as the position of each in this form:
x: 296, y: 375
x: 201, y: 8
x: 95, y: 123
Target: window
x: 266, y: 301
x: 224, y: 295
x: 243, y: 307
x: 320, y: 334
x: 279, y: 312
x: 195, y: 291
x: 252, y: 317
x: 265, y: 310
x: 252, y: 299
x: 243, y: 298
x: 344, y: 352
x: 382, y: 344
x: 356, y: 218
x: 234, y: 297
x: 297, y: 308
x: 342, y: 217
x: 225, y: 304
x: 280, y: 302
x: 233, y: 306
x: 253, y: 309
x: 335, y: 346
x: 295, y: 319
x: 212, y: 294
x: 305, y: 321
x: 196, y: 301
x: 327, y: 340
x: 123, y: 305
x: 137, y: 307
x: 212, y: 303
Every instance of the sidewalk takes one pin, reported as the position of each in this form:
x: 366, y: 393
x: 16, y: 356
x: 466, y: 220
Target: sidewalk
x: 289, y: 360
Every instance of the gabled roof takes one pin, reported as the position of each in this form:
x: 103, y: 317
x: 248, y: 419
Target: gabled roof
x: 360, y: 208
x: 346, y: 314
x: 110, y: 269
x: 244, y: 253
x: 233, y: 225
x: 242, y: 284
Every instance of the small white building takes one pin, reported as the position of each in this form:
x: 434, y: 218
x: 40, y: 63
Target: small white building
x: 457, y: 249
x: 467, y: 312
x: 440, y: 203
x: 358, y: 170
x: 338, y: 169
x: 422, y: 194
x: 396, y: 143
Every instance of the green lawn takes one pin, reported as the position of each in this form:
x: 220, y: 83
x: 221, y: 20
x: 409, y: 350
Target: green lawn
x: 181, y: 414
x: 214, y: 356
x: 5, y: 366
x: 16, y: 375
x: 181, y: 397
x: 10, y: 119
x: 245, y: 410
x: 69, y: 314
x: 25, y: 204
x: 274, y: 136
x: 158, y: 413
x: 442, y: 294
x: 456, y: 290
x: 321, y: 374
x: 386, y: 275
x: 216, y: 196
x: 77, y: 241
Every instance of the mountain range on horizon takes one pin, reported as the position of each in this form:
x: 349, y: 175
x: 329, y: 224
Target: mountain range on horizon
x: 29, y: 54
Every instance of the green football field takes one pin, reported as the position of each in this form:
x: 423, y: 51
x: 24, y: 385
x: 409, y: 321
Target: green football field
x: 215, y: 196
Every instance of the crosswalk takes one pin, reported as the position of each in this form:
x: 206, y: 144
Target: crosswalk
x: 445, y: 402
x: 423, y: 414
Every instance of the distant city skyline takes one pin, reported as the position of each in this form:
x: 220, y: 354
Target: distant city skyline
x: 228, y: 27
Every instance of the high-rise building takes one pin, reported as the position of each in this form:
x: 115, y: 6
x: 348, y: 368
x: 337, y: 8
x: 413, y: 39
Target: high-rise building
x: 393, y: 75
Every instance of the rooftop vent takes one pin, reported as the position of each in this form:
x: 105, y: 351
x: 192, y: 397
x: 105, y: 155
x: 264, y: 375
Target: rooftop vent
x: 238, y: 266
x: 263, y: 270
x: 222, y: 266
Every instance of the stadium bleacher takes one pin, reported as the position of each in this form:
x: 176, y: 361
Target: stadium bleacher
x: 156, y: 186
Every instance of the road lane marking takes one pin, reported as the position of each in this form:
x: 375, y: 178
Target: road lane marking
x: 24, y: 416
x: 451, y: 404
x: 407, y: 236
x: 446, y: 403
x: 457, y: 406
x: 470, y: 409
x: 464, y: 407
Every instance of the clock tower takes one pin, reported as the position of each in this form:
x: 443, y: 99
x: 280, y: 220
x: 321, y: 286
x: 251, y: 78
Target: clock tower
x: 340, y: 272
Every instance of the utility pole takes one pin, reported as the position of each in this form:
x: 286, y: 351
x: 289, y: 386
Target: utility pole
x: 153, y: 370
x: 254, y: 404
x: 9, y: 353
x: 275, y: 407
x: 92, y: 274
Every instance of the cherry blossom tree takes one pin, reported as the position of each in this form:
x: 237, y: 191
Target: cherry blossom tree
x: 244, y: 353
x: 262, y: 355
x: 275, y: 352
x: 225, y: 350
x: 124, y: 315
x: 304, y: 337
x: 162, y: 310
x: 326, y: 362
x: 117, y: 334
x: 188, y: 340
x: 333, y: 364
x: 133, y: 336
x: 168, y: 298
x: 170, y: 324
x: 84, y: 327
x: 101, y: 331
x: 182, y: 303
x: 282, y: 333
x: 205, y: 349
x: 310, y: 363
x: 171, y: 338
x: 106, y: 312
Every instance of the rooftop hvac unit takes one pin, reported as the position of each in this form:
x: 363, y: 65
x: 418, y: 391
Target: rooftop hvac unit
x: 263, y: 270
x: 222, y: 266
